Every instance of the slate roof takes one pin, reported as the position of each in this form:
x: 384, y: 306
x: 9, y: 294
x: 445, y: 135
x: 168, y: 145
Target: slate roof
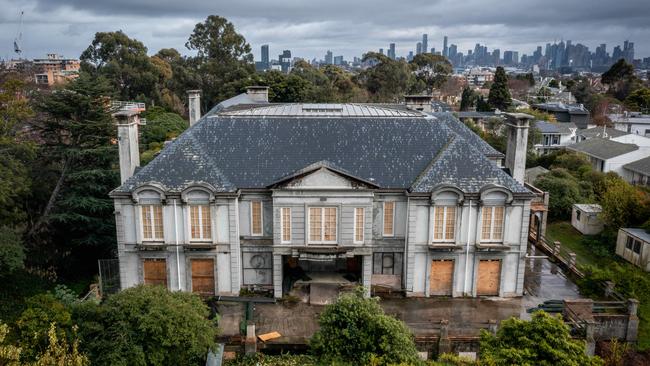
x: 466, y: 133
x: 602, y: 148
x: 562, y: 107
x: 233, y: 152
x: 598, y: 132
x: 640, y: 166
x: 563, y: 128
x: 319, y: 110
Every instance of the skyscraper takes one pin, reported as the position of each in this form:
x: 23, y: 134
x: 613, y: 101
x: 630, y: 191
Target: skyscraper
x: 425, y: 42
x: 265, y: 56
x: 391, y: 51
x: 381, y: 50
x: 445, y: 50
x: 329, y: 58
x: 418, y: 48
x: 285, y: 61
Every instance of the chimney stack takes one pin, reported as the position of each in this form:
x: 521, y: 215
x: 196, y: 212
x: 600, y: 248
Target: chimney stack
x: 420, y: 103
x: 258, y: 94
x: 517, y: 125
x: 194, y: 105
x: 127, y: 135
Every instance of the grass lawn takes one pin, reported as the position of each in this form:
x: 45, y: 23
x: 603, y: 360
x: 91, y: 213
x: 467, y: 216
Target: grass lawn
x: 571, y: 239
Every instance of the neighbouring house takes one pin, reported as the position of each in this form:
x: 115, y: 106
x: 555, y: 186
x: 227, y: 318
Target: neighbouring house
x: 575, y: 113
x: 554, y: 136
x: 295, y: 196
x: 584, y: 218
x: 632, y: 122
x: 638, y: 172
x: 599, y: 132
x: 633, y: 245
x: 55, y: 69
x: 606, y: 155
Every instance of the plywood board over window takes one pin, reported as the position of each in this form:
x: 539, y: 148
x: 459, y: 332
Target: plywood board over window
x: 389, y: 218
x: 440, y: 277
x: 489, y: 276
x: 203, y: 276
x: 155, y: 272
x: 256, y: 218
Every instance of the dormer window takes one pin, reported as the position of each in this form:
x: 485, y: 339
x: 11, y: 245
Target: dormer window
x: 492, y: 224
x: 152, y: 222
x: 200, y: 222
x: 444, y: 223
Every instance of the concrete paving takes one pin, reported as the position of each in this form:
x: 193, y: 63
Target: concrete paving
x: 466, y: 316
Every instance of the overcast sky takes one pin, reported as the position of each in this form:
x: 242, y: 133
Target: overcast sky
x: 347, y: 27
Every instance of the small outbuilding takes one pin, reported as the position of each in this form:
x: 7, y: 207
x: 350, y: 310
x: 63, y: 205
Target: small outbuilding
x: 584, y: 217
x: 633, y: 244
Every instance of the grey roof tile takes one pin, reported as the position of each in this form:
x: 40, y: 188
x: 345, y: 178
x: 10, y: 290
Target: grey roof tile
x: 640, y: 166
x: 602, y: 148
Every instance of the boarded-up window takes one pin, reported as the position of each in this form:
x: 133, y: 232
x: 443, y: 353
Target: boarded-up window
x: 155, y: 272
x: 440, y: 277
x: 322, y: 224
x: 359, y: 219
x: 256, y: 217
x: 492, y: 223
x: 203, y: 276
x: 200, y: 222
x: 387, y: 263
x: 152, y: 225
x: 286, y: 224
x: 389, y: 218
x: 444, y: 223
x: 489, y: 276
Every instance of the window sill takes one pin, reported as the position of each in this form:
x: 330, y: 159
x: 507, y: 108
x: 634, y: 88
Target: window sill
x: 444, y: 246
x: 151, y: 246
x: 492, y: 246
x: 200, y: 246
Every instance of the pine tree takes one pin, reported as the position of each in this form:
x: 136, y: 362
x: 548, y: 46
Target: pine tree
x: 499, y: 97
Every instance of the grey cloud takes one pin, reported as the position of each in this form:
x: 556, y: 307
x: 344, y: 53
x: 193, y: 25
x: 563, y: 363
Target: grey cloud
x: 347, y: 27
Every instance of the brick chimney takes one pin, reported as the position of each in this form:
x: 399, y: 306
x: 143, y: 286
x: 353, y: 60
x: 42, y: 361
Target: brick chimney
x: 517, y: 125
x: 127, y: 136
x: 258, y: 94
x: 194, y: 105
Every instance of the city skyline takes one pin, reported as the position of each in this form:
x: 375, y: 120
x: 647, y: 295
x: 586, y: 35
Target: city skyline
x: 308, y: 32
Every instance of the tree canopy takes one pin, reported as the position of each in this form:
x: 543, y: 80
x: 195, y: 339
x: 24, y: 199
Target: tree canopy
x: 499, y: 97
x: 355, y: 330
x: 544, y: 340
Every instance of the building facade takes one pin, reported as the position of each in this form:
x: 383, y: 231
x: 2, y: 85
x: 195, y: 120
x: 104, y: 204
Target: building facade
x: 281, y: 197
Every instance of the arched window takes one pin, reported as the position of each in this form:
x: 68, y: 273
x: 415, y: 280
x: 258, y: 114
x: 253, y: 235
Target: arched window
x: 445, y: 214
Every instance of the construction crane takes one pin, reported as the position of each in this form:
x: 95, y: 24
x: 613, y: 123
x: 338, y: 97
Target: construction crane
x: 19, y: 36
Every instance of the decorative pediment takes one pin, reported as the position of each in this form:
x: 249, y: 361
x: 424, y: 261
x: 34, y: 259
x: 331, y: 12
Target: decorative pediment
x: 322, y: 176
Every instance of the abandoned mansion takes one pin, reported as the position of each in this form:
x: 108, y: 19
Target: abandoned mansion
x: 283, y: 196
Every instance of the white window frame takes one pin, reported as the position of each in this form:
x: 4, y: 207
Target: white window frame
x: 202, y: 237
x: 282, y: 216
x: 261, y: 218
x: 354, y: 227
x: 491, y: 239
x: 444, y: 224
x: 153, y: 224
x: 383, y: 229
x: 322, y: 229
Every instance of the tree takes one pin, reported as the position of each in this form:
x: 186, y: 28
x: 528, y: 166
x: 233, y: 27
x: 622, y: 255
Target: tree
x: 35, y: 325
x: 223, y: 63
x: 16, y: 152
x: 9, y: 354
x: 124, y: 62
x: 499, y: 97
x: 620, y: 203
x: 544, y: 340
x: 59, y: 352
x: 146, y: 325
x: 75, y: 224
x: 553, y: 84
x: 12, y: 254
x: 432, y: 70
x: 468, y: 99
x: 386, y: 81
x: 355, y: 330
x: 621, y: 79
x: 639, y: 100
x: 564, y: 191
